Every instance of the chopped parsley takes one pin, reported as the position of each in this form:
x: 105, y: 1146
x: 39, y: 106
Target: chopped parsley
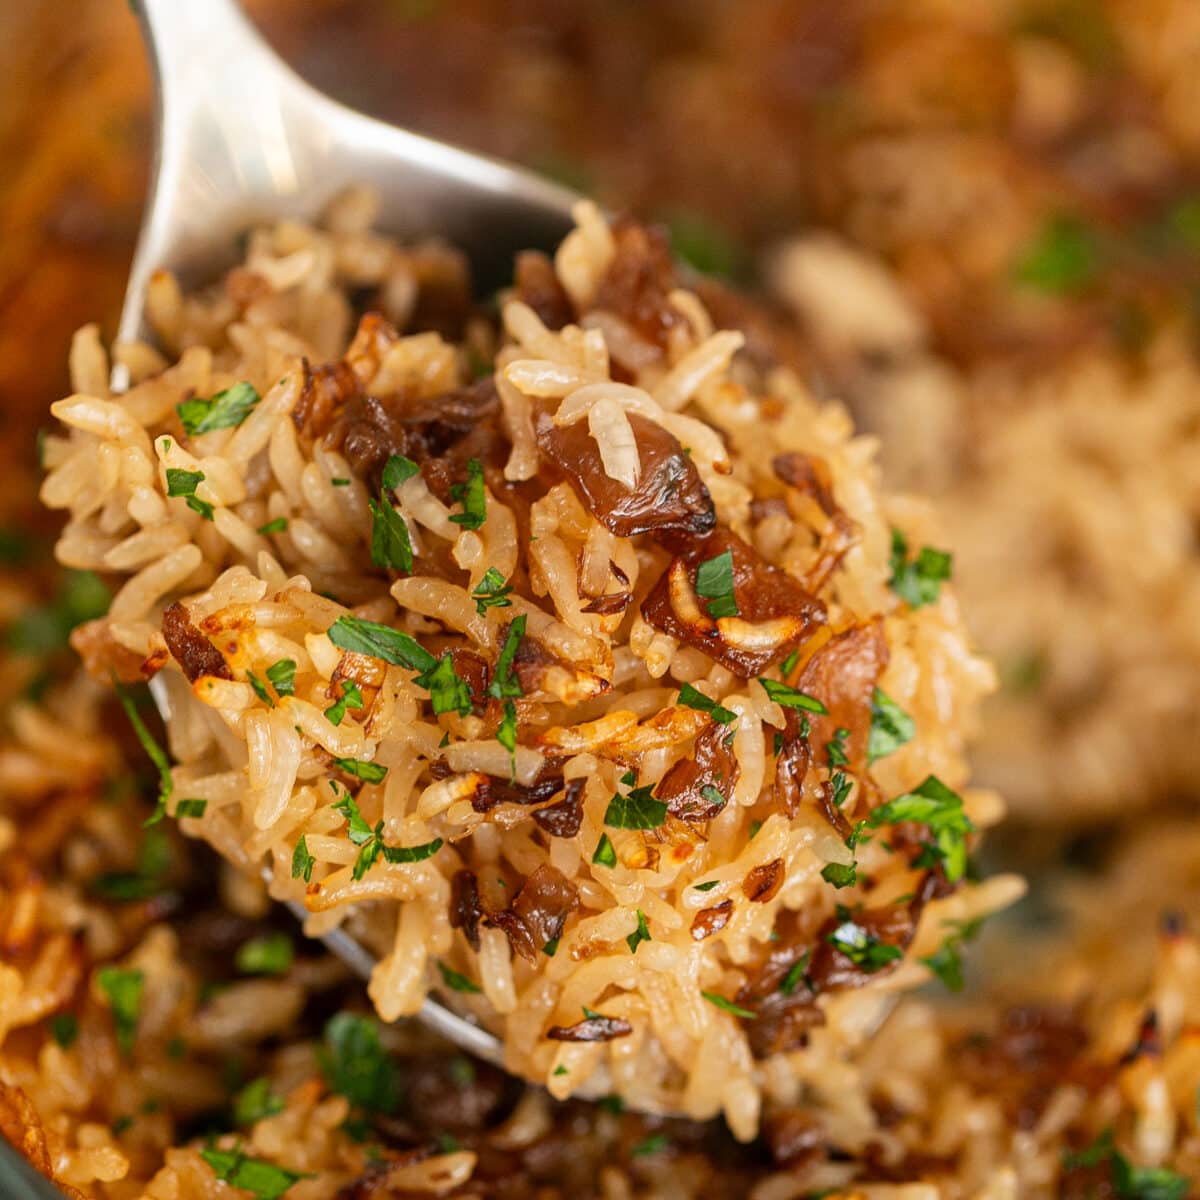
x: 447, y: 691
x: 491, y: 592
x: 836, y: 749
x: 371, y: 844
x: 940, y: 809
x: 64, y: 1029
x: 504, y: 683
x: 841, y: 875
x: 1063, y: 258
x: 278, y: 525
x: 471, y: 496
x: 1131, y: 1183
x: 380, y: 641
x: 45, y: 628
x: 368, y: 772
x: 891, y: 727
x: 946, y: 962
x: 282, y: 676
x: 606, y: 854
x: 357, y: 1066
x: 183, y: 483
x: 655, y: 1144
x: 713, y: 795
x: 789, y: 664
x: 271, y: 954
x: 840, y: 785
x: 918, y: 582
x: 640, y: 934
x: 796, y: 974
x: 728, y: 1006
x: 704, y: 245
x: 714, y: 581
x: 790, y: 697
x: 398, y: 470
x: 260, y: 689
x: 506, y: 733
x: 691, y: 697
x: 264, y: 1180
x: 225, y: 410
x: 391, y: 545
x: 707, y: 886
x: 862, y: 947
x: 550, y: 949
x: 351, y: 697
x: 156, y: 754
x: 256, y: 1101
x: 191, y: 808
x: 302, y: 861
x: 154, y: 860
x: 457, y: 982
x: 339, y: 481
x: 636, y: 810
x: 124, y: 991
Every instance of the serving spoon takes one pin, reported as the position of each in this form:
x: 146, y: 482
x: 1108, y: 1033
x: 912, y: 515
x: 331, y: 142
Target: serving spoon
x: 242, y: 139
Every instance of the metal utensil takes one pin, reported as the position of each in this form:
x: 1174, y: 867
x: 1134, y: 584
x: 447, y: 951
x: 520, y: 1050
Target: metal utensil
x: 243, y: 139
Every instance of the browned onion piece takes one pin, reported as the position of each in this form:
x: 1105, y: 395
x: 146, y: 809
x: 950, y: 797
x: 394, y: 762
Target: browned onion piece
x: 465, y: 908
x: 638, y: 283
x: 562, y: 820
x: 711, y: 764
x: 538, y: 912
x: 763, y: 882
x: 538, y: 286
x: 811, y: 475
x: 711, y: 920
x: 190, y: 648
x: 670, y: 496
x: 763, y: 593
x: 326, y: 391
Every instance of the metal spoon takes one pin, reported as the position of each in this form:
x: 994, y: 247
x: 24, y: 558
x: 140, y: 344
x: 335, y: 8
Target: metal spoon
x: 243, y: 139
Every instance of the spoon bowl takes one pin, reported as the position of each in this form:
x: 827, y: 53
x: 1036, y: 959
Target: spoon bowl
x: 241, y: 140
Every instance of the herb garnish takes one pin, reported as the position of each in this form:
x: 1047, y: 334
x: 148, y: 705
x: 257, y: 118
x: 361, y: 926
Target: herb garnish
x: 447, y: 691
x: 790, y: 697
x: 64, y: 1029
x: 797, y: 972
x: 654, y: 1144
x: 640, y: 934
x: 491, y: 592
x: 1063, y: 258
x: 302, y: 861
x: 1131, y: 1183
x: 260, y: 689
x: 371, y: 844
x: 282, y: 676
x: 277, y: 525
x: 124, y: 991
x: 606, y: 854
x: 264, y: 1179
x: 351, y: 698
x: 940, y: 809
x: 506, y: 733
x: 455, y: 981
x: 225, y: 410
x: 368, y: 772
x: 946, y: 962
x: 728, y: 1006
x: 714, y: 581
x: 841, y: 875
x: 836, y: 749
x: 891, y: 727
x: 918, y: 582
x: 636, y: 810
x: 271, y: 954
x: 471, y: 496
x: 356, y: 1064
x: 691, y: 697
x: 156, y: 754
x: 862, y: 947
x: 390, y: 543
x: 504, y: 683
x: 256, y: 1101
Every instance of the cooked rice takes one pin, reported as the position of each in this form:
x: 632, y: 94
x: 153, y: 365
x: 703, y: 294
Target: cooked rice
x: 605, y: 702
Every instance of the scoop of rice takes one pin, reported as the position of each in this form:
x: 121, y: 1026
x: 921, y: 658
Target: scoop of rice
x: 574, y: 664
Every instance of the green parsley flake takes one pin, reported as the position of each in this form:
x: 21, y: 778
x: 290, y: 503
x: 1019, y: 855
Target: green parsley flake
x: 398, y: 470
x: 256, y: 1101
x: 64, y: 1029
x: 282, y: 676
x: 1064, y: 258
x: 946, y: 961
x: 640, y: 934
x: 707, y: 886
x: 560, y: 1070
x: 155, y: 752
x: 412, y: 854
x: 225, y: 410
x: 714, y: 581
x: 278, y: 525
x: 506, y: 733
x: 713, y: 796
x: 339, y: 481
x: 183, y: 483
x: 457, y: 982
x: 862, y: 947
x: 368, y: 772
x: 691, y: 697
x: 917, y: 583
x: 356, y: 1065
x: 606, y: 854
x: 124, y: 991
x: 505, y: 684
x: 302, y: 861
x: 447, y: 691
x: 796, y: 974
x: 491, y: 592
x: 264, y: 1180
x: 728, y: 1006
x: 934, y: 805
x: 841, y: 875
x: 371, y: 844
x: 268, y: 955
x: 380, y: 641
x: 471, y: 496
x: 637, y: 810
x: 655, y: 1144
x: 44, y: 629
x: 1130, y: 1182
x: 891, y: 727
x: 789, y: 664
x: 191, y: 808
x: 351, y: 698
x: 391, y: 546
x: 260, y: 689
x: 836, y: 749
x: 790, y: 697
